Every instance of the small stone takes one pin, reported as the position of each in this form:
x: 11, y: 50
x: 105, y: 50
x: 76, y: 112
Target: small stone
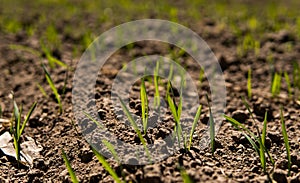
x: 102, y: 114
x: 279, y: 176
x: 240, y: 116
x: 275, y: 137
x: 208, y: 170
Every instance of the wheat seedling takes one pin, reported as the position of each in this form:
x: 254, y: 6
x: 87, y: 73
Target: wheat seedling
x: 286, y: 141
x: 69, y: 167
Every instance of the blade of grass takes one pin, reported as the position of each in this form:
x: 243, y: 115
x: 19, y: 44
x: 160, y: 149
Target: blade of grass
x: 27, y: 117
x: 156, y: 80
x: 69, y: 167
x: 144, y: 103
x: 112, y: 150
x: 135, y: 127
x: 52, y: 86
x: 286, y: 141
x: 196, y: 119
x: 107, y: 166
x: 41, y: 89
x: 94, y: 120
x: 211, y: 128
x: 249, y: 84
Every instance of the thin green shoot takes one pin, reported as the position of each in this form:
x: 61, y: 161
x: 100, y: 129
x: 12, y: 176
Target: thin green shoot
x: 69, y: 167
x: 176, y: 112
x: 111, y: 149
x: 185, y: 177
x: 135, y: 127
x: 91, y: 118
x: 52, y: 60
x: 156, y: 81
x: 170, y: 77
x: 144, y: 103
x: 196, y: 119
x: 201, y: 75
x: 261, y: 149
x: 249, y: 84
x: 276, y: 84
x: 286, y: 141
x: 1, y: 111
x: 54, y: 90
x: 288, y: 83
x: 42, y: 90
x: 211, y: 128
x: 16, y: 128
x: 106, y: 165
x: 25, y: 48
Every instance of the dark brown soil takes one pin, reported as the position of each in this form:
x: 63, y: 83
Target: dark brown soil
x: 234, y: 159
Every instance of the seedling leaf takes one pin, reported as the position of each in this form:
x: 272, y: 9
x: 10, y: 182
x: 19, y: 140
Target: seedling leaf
x: 69, y: 167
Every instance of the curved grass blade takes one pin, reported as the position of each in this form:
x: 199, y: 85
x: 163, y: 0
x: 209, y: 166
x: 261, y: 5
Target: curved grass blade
x: 286, y: 141
x: 52, y: 86
x: 196, y: 119
x: 107, y: 166
x: 68, y: 165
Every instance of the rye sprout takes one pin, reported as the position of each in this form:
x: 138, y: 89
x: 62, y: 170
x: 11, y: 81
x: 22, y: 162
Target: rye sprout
x: 249, y: 84
x: 52, y: 60
x: 16, y: 128
x: 144, y: 103
x: 286, y: 141
x: 94, y: 120
x: 156, y: 80
x: 211, y: 128
x: 197, y: 116
x: 107, y: 167
x: 176, y: 112
x: 135, y: 127
x: 69, y: 167
x: 54, y: 90
x: 276, y: 84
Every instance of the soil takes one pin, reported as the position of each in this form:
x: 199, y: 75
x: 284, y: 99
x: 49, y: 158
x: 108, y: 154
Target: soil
x: 234, y: 159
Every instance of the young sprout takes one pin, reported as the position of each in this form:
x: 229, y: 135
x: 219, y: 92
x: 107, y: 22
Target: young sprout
x: 68, y: 165
x: 211, y: 128
x: 144, y: 103
x: 286, y: 141
x: 54, y: 90
x: 156, y: 80
x: 176, y: 111
x: 135, y: 127
x: 52, y: 60
x: 94, y: 120
x: 107, y: 167
x: 17, y: 128
x: 288, y: 83
x: 41, y: 89
x: 196, y: 119
x: 185, y: 177
x: 249, y: 84
x: 276, y: 84
x: 201, y: 75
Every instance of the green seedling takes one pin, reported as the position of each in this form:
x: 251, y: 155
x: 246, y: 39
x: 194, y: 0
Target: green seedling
x: 42, y: 90
x: 69, y: 167
x: 196, y: 119
x: 170, y: 77
x: 52, y: 60
x: 53, y: 88
x: 25, y: 49
x: 211, y: 128
x: 201, y: 75
x: 94, y: 120
x: 288, y: 83
x: 135, y: 127
x: 156, y: 80
x: 185, y: 177
x: 17, y: 128
x: 107, y: 167
x: 276, y: 84
x: 286, y: 141
x: 176, y: 112
x: 249, y: 84
x: 144, y: 103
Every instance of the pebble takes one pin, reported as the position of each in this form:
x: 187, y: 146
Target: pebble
x: 279, y: 176
x: 240, y: 116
